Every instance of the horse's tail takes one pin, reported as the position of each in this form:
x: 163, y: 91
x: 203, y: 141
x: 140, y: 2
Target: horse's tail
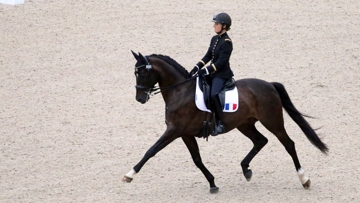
x: 298, y: 118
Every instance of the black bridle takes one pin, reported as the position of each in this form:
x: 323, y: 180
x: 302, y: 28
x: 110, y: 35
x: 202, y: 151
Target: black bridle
x: 155, y: 90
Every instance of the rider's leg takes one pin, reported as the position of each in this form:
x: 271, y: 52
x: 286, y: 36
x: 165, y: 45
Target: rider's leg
x: 217, y: 84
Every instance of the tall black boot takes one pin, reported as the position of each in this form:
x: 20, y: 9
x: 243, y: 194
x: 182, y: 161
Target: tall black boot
x: 219, y: 128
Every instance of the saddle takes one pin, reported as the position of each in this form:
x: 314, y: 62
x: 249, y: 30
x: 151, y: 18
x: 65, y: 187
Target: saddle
x: 206, y: 88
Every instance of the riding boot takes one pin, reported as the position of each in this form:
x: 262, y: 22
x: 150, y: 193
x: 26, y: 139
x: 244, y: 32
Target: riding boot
x: 219, y: 128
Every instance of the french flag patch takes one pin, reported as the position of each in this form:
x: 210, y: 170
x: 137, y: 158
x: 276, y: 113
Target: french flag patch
x: 230, y: 107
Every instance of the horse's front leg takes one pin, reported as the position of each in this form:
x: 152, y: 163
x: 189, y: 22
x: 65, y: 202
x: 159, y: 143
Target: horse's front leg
x: 163, y: 141
x: 193, y: 148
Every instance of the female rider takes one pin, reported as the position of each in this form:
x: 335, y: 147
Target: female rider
x: 218, y: 72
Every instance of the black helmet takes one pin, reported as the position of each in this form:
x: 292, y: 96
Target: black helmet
x: 222, y: 18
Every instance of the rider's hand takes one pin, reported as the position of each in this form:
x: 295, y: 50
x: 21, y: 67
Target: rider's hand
x: 203, y: 72
x: 194, y: 70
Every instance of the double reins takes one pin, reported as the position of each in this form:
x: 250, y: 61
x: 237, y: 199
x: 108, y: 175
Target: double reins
x: 157, y: 90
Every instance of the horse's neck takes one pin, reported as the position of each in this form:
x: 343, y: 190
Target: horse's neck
x: 169, y: 80
x: 180, y: 94
x: 169, y: 76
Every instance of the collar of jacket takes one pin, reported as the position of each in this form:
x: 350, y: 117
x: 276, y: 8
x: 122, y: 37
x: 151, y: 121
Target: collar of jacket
x: 223, y: 34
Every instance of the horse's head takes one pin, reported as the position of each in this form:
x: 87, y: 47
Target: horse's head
x: 145, y: 79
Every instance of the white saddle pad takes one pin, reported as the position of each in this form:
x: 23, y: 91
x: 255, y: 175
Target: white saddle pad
x: 231, y: 99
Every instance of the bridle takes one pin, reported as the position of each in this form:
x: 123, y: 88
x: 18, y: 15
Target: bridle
x: 148, y: 67
x: 155, y: 90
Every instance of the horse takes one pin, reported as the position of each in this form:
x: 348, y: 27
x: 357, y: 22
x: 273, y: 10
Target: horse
x: 258, y: 101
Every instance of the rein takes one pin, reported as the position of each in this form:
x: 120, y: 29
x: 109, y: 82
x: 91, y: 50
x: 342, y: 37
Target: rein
x: 160, y: 89
x: 156, y: 90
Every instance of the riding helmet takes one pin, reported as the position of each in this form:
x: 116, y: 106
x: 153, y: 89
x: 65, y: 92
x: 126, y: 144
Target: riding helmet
x: 222, y: 18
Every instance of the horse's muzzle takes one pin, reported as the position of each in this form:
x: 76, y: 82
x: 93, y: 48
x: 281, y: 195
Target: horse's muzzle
x: 143, y: 98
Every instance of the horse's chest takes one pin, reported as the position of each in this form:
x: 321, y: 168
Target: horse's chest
x: 174, y: 115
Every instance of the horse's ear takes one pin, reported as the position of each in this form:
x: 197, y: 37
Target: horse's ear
x: 135, y: 55
x: 141, y: 56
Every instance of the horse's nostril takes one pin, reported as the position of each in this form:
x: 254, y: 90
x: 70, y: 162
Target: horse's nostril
x: 140, y: 100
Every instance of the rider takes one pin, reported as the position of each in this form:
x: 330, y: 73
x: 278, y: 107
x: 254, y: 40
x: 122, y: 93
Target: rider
x: 218, y: 71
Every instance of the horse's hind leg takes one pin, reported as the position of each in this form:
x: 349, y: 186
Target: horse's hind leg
x: 259, y: 142
x: 279, y: 131
x: 290, y: 148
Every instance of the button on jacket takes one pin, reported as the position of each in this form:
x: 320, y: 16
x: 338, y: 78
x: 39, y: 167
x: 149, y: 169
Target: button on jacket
x: 219, y: 54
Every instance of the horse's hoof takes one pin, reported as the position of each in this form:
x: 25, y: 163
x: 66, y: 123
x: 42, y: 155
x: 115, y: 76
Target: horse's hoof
x: 248, y: 175
x: 127, y: 179
x: 307, y: 184
x: 214, y: 190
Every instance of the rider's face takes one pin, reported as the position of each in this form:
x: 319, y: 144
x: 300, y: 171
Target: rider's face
x: 217, y: 27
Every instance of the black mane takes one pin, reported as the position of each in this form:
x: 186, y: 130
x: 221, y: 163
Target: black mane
x: 173, y: 63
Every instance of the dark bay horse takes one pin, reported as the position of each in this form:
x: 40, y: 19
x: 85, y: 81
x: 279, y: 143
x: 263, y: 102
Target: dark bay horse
x: 258, y: 101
